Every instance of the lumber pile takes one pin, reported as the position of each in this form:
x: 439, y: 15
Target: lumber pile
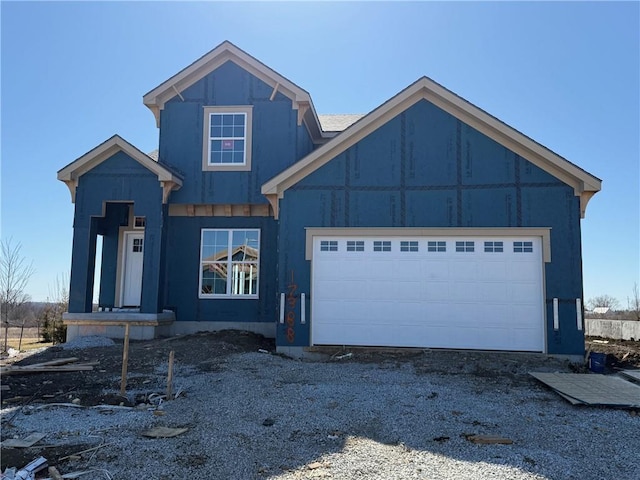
x: 53, y: 366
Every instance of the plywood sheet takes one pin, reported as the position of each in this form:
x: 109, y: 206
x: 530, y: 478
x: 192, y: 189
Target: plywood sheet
x: 633, y: 375
x: 592, y: 389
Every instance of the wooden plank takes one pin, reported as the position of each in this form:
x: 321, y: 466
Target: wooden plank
x: 488, y: 440
x: 593, y: 389
x: 170, y: 375
x: 25, y: 442
x: 125, y: 361
x: 52, y: 369
x: 59, y: 361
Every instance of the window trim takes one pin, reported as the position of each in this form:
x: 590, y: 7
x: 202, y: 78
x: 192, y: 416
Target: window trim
x: 229, y: 296
x: 247, y: 110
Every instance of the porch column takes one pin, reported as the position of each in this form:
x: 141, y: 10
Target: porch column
x: 83, y: 264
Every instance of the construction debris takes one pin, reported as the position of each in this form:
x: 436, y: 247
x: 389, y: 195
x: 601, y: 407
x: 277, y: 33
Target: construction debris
x: 26, y: 442
x: 488, y: 439
x: 164, y: 432
x: 58, y: 365
x: 26, y: 473
x: 592, y: 389
x: 77, y: 455
x: 55, y: 474
x: 633, y: 375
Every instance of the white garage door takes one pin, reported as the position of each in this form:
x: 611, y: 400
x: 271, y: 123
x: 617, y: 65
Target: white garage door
x: 453, y: 292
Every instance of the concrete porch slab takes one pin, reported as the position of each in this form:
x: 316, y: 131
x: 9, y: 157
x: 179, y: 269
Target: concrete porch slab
x: 142, y: 326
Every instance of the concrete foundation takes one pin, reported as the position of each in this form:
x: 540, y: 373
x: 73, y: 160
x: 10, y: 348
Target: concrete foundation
x: 617, y: 329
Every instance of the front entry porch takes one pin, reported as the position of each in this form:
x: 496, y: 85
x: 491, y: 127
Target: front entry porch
x: 142, y: 326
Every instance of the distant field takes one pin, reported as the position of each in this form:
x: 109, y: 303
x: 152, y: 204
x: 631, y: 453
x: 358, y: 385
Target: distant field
x: 30, y: 339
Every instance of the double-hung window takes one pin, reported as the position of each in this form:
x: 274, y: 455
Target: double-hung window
x: 227, y: 138
x: 229, y: 263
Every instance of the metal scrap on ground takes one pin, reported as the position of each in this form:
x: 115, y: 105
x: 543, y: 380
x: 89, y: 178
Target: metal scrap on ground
x: 592, y: 389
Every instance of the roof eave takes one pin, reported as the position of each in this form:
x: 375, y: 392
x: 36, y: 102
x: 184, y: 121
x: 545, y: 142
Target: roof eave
x: 156, y: 99
x: 71, y: 173
x: 427, y: 89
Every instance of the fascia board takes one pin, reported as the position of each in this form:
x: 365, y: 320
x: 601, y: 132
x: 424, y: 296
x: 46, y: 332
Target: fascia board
x: 226, y: 51
x: 106, y: 150
x: 510, y: 138
x: 341, y: 142
x: 458, y: 107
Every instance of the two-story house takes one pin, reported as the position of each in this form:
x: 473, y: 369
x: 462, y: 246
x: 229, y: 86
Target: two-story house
x: 424, y: 223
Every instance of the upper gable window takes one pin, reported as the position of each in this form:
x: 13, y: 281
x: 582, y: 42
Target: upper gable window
x: 227, y: 138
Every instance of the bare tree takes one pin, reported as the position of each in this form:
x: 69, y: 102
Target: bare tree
x: 15, y: 273
x: 606, y: 301
x: 633, y: 303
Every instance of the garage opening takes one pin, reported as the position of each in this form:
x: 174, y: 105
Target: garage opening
x: 467, y: 292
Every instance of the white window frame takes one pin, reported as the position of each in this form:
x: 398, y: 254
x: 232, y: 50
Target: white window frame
x: 230, y: 263
x: 247, y: 111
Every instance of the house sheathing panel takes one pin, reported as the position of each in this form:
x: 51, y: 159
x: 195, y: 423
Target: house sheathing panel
x: 425, y: 170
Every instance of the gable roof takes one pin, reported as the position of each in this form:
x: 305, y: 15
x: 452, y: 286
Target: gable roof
x: 227, y: 51
x: 70, y: 174
x: 584, y: 184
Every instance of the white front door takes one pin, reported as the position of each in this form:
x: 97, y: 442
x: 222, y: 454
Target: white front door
x: 132, y: 271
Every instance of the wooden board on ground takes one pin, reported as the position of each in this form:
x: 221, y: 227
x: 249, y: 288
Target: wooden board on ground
x: 593, y: 389
x: 633, y: 375
x: 26, y: 442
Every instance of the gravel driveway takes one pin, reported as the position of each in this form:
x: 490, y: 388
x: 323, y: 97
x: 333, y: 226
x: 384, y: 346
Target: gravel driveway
x: 256, y: 415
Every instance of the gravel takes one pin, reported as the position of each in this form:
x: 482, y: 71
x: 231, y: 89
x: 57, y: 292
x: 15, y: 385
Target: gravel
x: 265, y: 416
x: 80, y: 343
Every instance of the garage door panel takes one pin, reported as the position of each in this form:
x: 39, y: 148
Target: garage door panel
x: 520, y: 292
x: 485, y: 299
x: 434, y: 269
x: 435, y: 291
x: 463, y: 269
x: 493, y: 292
x: 494, y: 270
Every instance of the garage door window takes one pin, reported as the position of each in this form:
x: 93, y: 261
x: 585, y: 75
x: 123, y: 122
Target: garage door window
x: 465, y: 247
x: 328, y: 246
x: 522, y: 247
x: 493, y: 247
x: 436, y: 246
x: 381, y: 246
x: 229, y: 261
x: 355, y: 246
x: 409, y: 246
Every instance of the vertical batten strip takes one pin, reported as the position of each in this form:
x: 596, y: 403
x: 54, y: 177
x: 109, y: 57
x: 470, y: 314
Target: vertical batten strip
x: 282, y: 308
x: 579, y: 313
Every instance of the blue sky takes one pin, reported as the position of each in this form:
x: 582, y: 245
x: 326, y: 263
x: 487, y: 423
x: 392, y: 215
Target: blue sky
x: 565, y: 74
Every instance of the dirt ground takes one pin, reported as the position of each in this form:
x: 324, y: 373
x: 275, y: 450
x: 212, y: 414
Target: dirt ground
x: 206, y: 352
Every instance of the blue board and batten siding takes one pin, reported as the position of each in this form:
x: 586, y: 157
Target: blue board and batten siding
x: 117, y: 179
x: 425, y: 168
x: 277, y: 141
x: 183, y: 270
